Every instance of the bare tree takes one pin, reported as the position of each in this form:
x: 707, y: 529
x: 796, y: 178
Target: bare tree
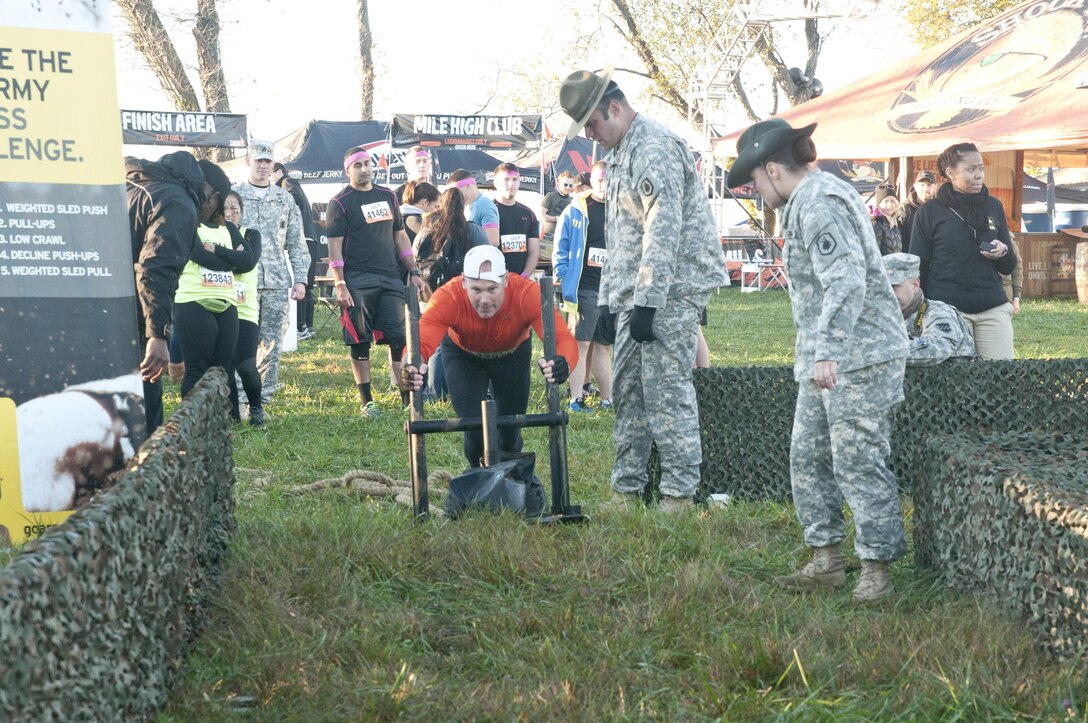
x: 152, y: 41
x: 213, y: 81
x: 148, y: 33
x: 670, y: 38
x: 366, y: 63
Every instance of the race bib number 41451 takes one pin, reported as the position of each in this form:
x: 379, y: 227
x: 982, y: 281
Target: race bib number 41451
x: 596, y: 257
x: 377, y: 212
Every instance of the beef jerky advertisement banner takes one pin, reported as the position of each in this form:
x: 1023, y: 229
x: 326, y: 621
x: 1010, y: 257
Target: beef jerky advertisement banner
x: 71, y: 406
x: 174, y: 128
x: 468, y: 132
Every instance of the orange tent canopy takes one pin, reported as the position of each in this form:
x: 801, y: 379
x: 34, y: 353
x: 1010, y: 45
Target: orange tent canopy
x: 1009, y: 84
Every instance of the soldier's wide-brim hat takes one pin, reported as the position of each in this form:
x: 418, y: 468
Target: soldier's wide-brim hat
x: 757, y: 142
x: 580, y: 93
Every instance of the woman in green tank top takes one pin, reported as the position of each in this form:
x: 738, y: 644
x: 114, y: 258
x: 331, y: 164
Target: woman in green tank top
x: 205, y: 305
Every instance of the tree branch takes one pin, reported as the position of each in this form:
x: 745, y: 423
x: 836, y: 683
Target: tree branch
x: 671, y: 94
x: 150, y: 37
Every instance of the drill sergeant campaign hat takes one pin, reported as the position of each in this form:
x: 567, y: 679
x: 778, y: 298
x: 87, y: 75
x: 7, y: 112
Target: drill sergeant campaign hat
x: 759, y: 141
x: 580, y: 93
x: 261, y: 150
x: 901, y: 267
x: 477, y: 256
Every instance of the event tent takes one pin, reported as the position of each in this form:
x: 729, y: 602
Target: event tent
x: 1035, y: 192
x: 576, y: 155
x: 1018, y: 82
x: 315, y: 153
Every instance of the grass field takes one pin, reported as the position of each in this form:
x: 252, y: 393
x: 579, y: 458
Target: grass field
x: 341, y: 608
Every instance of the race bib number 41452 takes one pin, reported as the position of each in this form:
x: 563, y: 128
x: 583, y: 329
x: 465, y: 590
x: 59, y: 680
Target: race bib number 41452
x: 596, y: 257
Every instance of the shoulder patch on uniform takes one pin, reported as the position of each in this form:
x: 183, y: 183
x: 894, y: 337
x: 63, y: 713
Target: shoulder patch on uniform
x: 826, y: 243
x: 646, y: 187
x: 944, y: 326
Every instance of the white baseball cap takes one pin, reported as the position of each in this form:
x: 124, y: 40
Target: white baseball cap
x: 477, y: 256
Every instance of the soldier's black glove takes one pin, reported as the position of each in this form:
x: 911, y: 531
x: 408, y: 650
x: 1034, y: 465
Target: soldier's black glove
x: 642, y: 324
x: 606, y: 326
x: 560, y: 369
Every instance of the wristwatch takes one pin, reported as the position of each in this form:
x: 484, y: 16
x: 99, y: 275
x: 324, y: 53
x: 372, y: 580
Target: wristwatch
x: 414, y: 272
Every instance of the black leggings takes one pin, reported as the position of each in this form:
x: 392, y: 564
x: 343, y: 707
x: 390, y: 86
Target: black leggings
x: 207, y: 340
x: 245, y: 363
x: 468, y: 377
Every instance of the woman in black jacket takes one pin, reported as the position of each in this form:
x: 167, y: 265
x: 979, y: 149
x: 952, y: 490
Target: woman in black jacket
x: 962, y: 239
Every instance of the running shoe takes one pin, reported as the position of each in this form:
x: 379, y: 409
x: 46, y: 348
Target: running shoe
x: 606, y: 405
x: 579, y: 405
x: 371, y: 410
x: 306, y: 333
x: 588, y: 390
x: 256, y: 418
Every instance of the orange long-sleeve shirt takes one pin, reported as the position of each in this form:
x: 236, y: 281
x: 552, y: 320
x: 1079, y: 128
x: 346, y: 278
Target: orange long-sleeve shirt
x: 450, y: 310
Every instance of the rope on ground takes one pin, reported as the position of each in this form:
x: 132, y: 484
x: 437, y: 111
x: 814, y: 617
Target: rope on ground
x: 367, y: 483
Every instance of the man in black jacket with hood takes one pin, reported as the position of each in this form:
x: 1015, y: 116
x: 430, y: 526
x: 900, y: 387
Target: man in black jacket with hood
x: 165, y: 200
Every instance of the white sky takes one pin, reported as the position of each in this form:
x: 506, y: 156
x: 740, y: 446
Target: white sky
x: 290, y: 61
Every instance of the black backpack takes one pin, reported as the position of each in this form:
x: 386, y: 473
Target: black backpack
x: 440, y: 268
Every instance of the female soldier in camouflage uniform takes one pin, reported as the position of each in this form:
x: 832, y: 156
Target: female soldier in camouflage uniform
x: 849, y: 359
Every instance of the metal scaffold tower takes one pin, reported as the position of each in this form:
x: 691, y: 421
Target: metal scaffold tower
x: 733, y: 43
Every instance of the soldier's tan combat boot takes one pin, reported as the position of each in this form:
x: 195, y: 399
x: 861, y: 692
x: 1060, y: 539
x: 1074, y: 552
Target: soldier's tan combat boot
x: 672, y: 505
x: 176, y: 372
x: 620, y: 502
x: 824, y: 570
x: 875, y: 582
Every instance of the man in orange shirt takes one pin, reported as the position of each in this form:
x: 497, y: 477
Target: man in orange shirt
x: 482, y: 322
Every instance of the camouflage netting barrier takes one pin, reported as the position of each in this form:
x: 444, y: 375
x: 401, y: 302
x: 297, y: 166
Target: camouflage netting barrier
x: 1007, y: 515
x: 96, y: 615
x: 746, y: 414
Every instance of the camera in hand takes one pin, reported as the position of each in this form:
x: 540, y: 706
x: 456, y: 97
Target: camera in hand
x: 986, y: 245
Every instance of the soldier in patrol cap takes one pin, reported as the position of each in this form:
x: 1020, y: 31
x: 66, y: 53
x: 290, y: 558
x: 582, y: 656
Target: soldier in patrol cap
x: 848, y: 361
x: 664, y: 257
x: 937, y: 331
x: 274, y: 213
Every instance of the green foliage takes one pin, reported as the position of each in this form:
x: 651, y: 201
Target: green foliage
x: 932, y: 22
x: 336, y: 608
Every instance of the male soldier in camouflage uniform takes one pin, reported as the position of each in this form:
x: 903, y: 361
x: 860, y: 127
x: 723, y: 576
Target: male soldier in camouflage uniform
x: 274, y: 213
x: 937, y: 331
x: 663, y: 259
x: 849, y: 359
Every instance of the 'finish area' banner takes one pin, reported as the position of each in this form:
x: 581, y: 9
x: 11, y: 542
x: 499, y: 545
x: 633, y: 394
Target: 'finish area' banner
x: 176, y: 128
x: 467, y: 132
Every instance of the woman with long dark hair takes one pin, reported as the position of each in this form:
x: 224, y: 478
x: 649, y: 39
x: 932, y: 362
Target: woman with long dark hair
x: 440, y: 251
x: 962, y: 238
x: 420, y: 199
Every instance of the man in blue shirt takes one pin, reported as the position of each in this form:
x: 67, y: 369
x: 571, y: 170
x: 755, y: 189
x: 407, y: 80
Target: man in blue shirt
x: 480, y: 209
